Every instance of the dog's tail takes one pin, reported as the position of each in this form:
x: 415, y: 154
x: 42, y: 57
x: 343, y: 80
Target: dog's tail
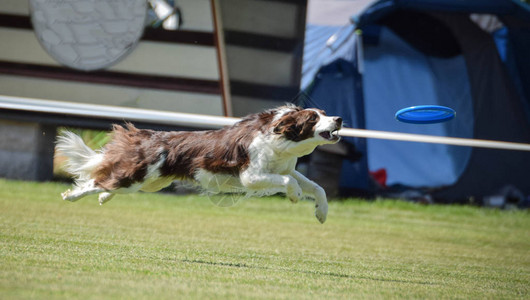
x: 81, y: 160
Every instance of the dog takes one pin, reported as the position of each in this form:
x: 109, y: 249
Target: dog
x: 255, y: 156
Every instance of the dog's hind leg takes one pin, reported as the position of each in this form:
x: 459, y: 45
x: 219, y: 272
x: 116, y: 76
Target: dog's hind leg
x: 105, y: 197
x: 81, y: 191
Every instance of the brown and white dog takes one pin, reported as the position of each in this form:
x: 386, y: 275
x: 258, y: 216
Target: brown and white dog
x: 255, y: 156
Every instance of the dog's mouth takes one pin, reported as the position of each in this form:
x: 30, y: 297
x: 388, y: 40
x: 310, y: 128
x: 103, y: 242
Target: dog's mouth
x: 332, y: 135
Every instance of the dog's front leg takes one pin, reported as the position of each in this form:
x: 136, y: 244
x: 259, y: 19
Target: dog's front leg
x: 314, y: 190
x: 272, y: 183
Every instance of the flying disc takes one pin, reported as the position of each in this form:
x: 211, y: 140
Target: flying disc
x: 425, y: 114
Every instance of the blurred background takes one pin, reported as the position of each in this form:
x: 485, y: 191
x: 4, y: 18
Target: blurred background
x: 88, y: 64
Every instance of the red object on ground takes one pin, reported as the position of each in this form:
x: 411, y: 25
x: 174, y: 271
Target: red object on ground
x: 379, y: 176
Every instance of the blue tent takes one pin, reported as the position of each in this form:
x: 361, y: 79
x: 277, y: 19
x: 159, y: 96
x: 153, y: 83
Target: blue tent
x: 473, y: 56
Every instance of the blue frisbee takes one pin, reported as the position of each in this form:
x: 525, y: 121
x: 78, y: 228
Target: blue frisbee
x: 425, y: 114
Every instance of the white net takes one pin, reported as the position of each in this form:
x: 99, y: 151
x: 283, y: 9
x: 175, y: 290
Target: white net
x: 88, y: 35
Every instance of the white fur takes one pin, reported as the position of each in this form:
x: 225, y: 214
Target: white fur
x: 282, y: 111
x: 271, y: 169
x: 81, y: 160
x: 218, y: 183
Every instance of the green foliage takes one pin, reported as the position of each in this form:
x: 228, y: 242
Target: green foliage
x: 161, y: 246
x: 94, y: 139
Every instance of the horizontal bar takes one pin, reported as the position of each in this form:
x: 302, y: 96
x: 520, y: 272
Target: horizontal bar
x: 198, y: 38
x: 261, y: 41
x: 421, y: 138
x: 207, y: 121
x: 115, y: 112
x: 191, y: 37
x: 262, y: 91
x: 171, y: 83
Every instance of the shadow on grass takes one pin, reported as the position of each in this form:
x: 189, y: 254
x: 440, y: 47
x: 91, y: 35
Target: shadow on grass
x: 319, y: 273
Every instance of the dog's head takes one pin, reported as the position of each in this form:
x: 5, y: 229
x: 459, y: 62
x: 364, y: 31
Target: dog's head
x: 306, y: 126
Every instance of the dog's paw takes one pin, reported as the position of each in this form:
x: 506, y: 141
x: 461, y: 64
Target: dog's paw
x: 66, y: 195
x: 321, y: 212
x: 295, y: 194
x: 104, y: 197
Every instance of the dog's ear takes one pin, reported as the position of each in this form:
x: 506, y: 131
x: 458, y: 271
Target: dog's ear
x: 287, y: 127
x: 278, y: 127
x: 281, y: 124
x: 292, y: 133
x: 297, y: 126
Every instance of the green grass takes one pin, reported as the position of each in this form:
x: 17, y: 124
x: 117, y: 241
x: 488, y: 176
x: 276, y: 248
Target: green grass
x: 161, y: 246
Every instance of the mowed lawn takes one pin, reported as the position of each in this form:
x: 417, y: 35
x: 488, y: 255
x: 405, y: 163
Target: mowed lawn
x: 160, y: 246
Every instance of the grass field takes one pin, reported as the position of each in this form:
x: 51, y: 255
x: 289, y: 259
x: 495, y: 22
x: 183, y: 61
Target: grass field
x: 161, y: 246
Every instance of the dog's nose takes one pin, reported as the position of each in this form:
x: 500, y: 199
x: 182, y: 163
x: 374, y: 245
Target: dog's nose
x: 338, y: 120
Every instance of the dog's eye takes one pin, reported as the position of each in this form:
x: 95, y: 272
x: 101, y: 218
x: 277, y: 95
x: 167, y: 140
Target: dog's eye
x: 313, y: 117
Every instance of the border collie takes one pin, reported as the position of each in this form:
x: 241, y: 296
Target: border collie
x: 255, y: 156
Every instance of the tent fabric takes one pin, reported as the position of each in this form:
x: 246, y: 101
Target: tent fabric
x: 401, y: 68
x: 507, y: 55
x: 383, y: 7
x: 338, y: 80
x: 499, y: 115
x: 512, y: 44
x: 317, y: 54
x: 397, y: 76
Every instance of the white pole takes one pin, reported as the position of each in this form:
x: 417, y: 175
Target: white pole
x: 206, y: 121
x: 397, y: 136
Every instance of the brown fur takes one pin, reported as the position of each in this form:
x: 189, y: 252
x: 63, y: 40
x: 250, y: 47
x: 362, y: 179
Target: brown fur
x: 132, y: 150
x: 297, y: 125
x: 256, y: 156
